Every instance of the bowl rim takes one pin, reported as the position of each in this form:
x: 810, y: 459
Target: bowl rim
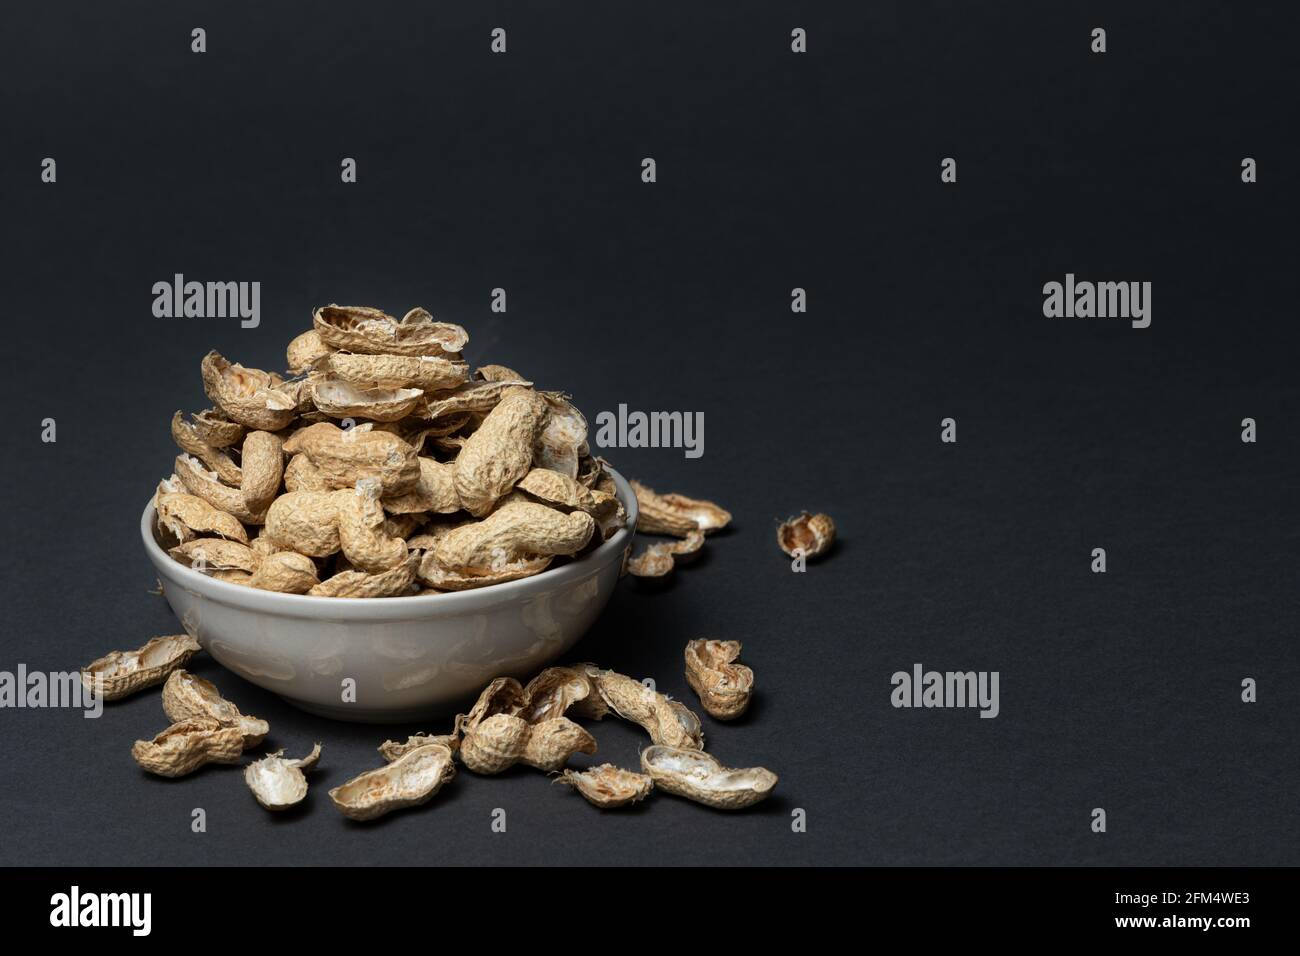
x: 471, y: 599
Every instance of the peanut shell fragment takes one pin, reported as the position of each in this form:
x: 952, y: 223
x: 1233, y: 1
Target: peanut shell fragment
x: 608, y: 786
x: 724, y: 686
x: 667, y: 721
x: 277, y: 783
x: 657, y: 560
x: 186, y: 516
x: 187, y: 695
x: 187, y: 745
x: 676, y: 515
x: 516, y: 530
x: 248, y: 396
x: 373, y: 332
x: 390, y: 750
x: 123, y: 673
x: 340, y: 399
x: 428, y: 373
x: 700, y: 777
x: 358, y: 584
x: 810, y: 536
x: 286, y: 572
x: 410, y: 780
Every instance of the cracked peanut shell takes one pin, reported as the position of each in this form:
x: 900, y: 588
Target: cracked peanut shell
x: 187, y: 695
x: 410, y: 780
x: 724, y: 687
x: 187, y: 745
x: 278, y: 783
x: 122, y: 673
x: 700, y: 777
x: 807, y: 535
x: 608, y: 786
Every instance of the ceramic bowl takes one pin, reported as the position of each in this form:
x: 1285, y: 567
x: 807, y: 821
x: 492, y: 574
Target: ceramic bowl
x: 408, y: 658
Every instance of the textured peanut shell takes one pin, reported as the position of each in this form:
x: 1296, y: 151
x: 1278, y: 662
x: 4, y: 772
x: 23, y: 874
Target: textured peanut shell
x: 724, y: 687
x: 658, y: 560
x: 811, y: 535
x: 390, y: 750
x: 496, y: 373
x: 549, y: 744
x: 561, y: 491
x: 563, y: 439
x: 301, y: 475
x: 700, y: 777
x: 277, y: 783
x: 343, y: 458
x: 495, y: 744
x: 444, y: 579
x: 373, y: 332
x: 675, y: 514
x: 189, y: 441
x: 248, y: 396
x: 361, y: 529
x: 217, y: 554
x: 402, y: 526
x: 424, y: 372
x: 187, y: 695
x: 123, y: 673
x: 358, y: 584
x: 231, y: 576
x: 306, y: 351
x: 434, y: 492
x: 518, y: 529
x: 608, y: 786
x: 204, y: 484
x: 263, y: 467
x: 340, y: 399
x: 667, y: 721
x: 188, y: 516
x: 286, y: 572
x: 410, y: 780
x: 472, y: 397
x: 187, y: 745
x: 500, y: 452
x: 502, y: 695
x: 214, y: 428
x: 304, y: 521
x: 556, y: 690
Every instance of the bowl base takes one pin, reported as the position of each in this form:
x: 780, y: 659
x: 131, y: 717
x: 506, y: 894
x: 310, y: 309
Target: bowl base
x: 360, y: 715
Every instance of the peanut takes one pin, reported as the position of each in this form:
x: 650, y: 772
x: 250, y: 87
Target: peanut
x: 306, y: 522
x: 424, y: 372
x: 516, y: 530
x: 187, y: 438
x: 205, y: 484
x: 263, y: 467
x: 123, y: 673
x: 667, y: 721
x: 361, y: 530
x: 340, y: 399
x: 216, y: 554
x: 188, y: 516
x: 285, y: 571
x: 342, y: 458
x: 306, y: 351
x: 358, y: 584
x: 373, y: 332
x: 246, y: 395
x: 500, y: 451
x: 435, y: 492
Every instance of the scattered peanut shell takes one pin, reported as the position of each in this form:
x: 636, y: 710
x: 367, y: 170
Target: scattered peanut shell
x: 187, y: 745
x: 187, y: 695
x: 607, y: 786
x: 551, y: 743
x: 277, y: 783
x: 676, y: 515
x: 658, y: 560
x: 390, y: 750
x: 410, y: 780
x: 698, y: 776
x: 723, y: 685
x: 808, y: 535
x: 122, y: 673
x: 500, y: 451
x: 667, y: 721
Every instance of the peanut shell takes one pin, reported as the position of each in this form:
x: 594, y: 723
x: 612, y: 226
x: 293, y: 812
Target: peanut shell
x: 410, y: 780
x: 724, y: 686
x: 122, y: 673
x: 187, y: 745
x: 700, y: 777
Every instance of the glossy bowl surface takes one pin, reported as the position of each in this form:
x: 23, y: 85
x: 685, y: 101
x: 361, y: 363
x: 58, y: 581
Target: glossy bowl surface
x: 409, y: 657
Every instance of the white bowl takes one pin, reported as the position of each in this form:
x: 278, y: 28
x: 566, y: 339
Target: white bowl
x: 410, y: 657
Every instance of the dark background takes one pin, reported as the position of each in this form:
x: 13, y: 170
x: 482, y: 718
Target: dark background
x: 775, y: 170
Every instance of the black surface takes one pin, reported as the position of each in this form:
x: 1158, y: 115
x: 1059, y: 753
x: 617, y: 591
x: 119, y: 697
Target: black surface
x: 775, y: 170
